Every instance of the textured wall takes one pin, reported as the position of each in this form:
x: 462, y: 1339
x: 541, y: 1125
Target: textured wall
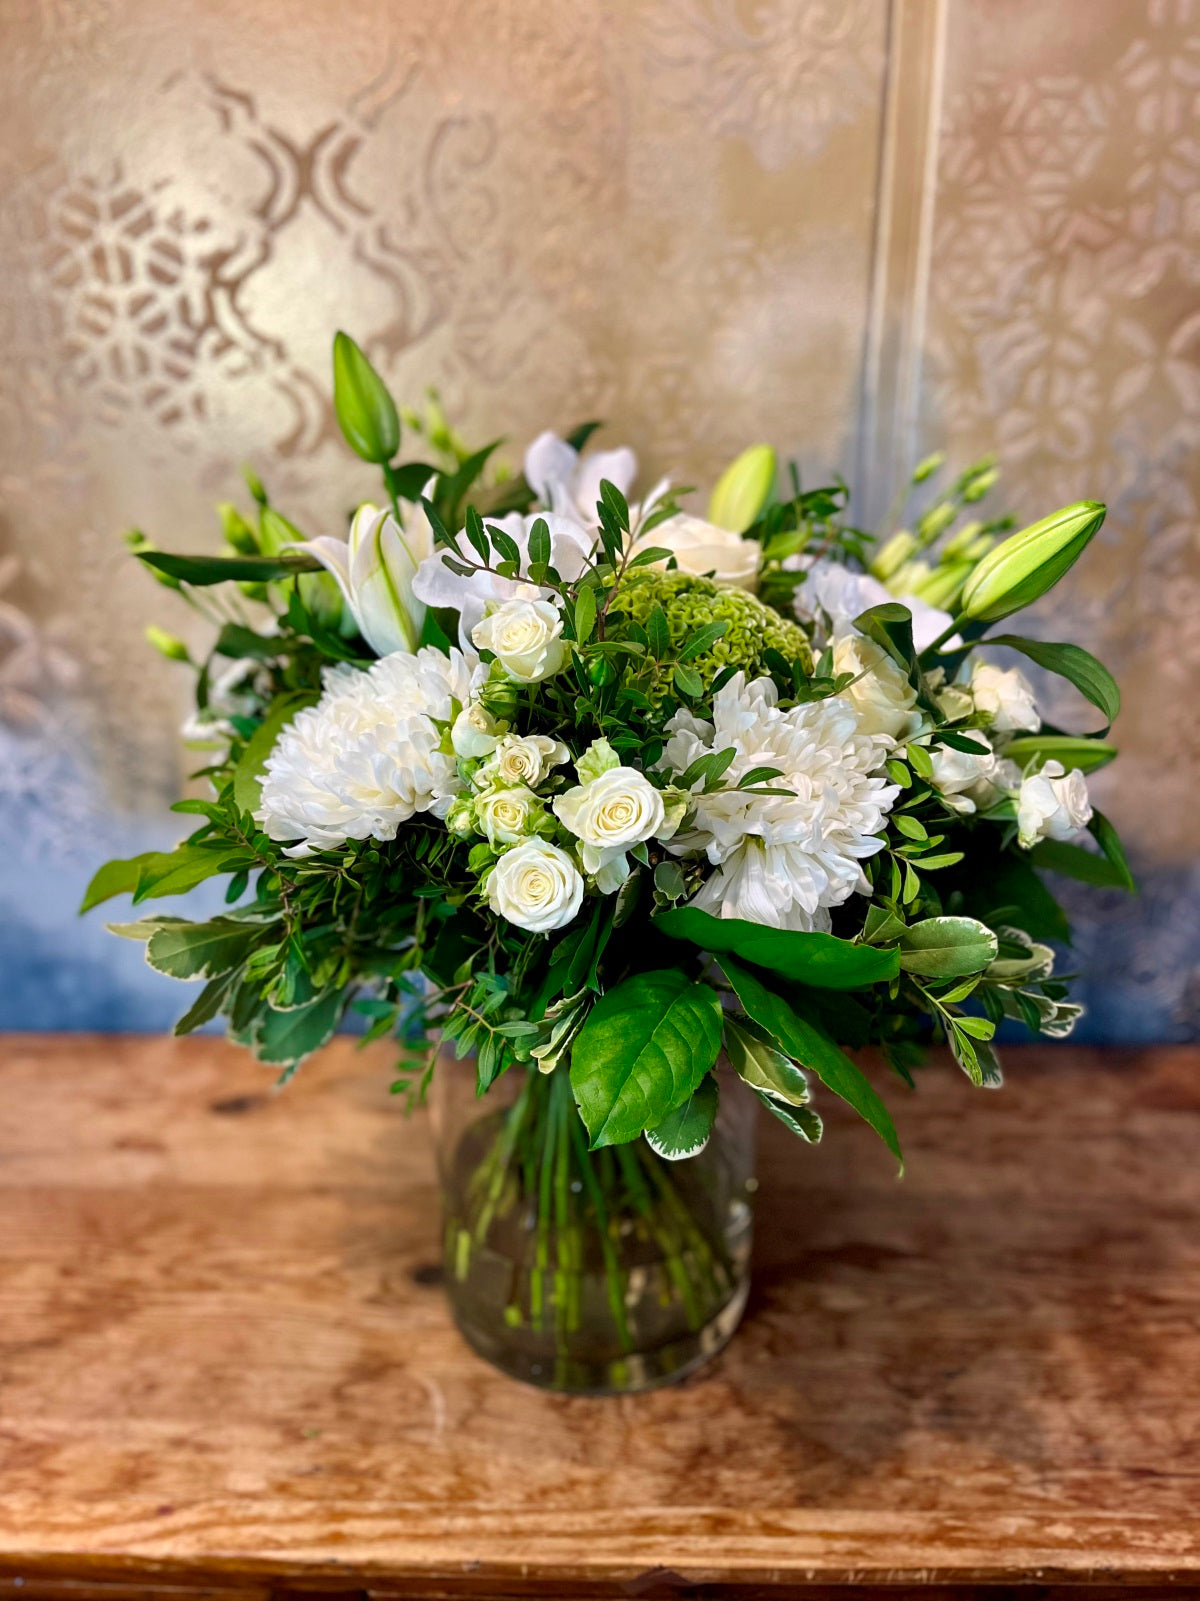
x: 673, y: 214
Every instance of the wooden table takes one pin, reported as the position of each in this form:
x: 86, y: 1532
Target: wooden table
x: 226, y: 1367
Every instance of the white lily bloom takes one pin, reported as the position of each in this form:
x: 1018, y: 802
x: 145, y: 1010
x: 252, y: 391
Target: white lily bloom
x: 1053, y: 804
x: 701, y: 548
x: 368, y: 755
x: 833, y: 588
x: 570, y: 483
x: 375, y: 568
x: 783, y: 860
x: 470, y: 595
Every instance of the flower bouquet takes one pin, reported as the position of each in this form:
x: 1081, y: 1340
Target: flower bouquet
x: 626, y: 822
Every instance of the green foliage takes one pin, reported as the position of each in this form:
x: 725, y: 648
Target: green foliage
x: 686, y: 1131
x: 642, y: 1052
x: 819, y: 959
x: 805, y: 1042
x: 1074, y: 663
x: 204, y: 570
x: 946, y: 947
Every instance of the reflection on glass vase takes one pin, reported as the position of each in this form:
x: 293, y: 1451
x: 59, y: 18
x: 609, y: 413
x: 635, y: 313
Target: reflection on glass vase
x: 595, y: 1272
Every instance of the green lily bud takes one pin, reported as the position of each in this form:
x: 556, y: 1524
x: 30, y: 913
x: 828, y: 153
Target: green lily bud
x: 366, y: 412
x: 742, y: 490
x: 936, y: 521
x: 942, y: 586
x: 979, y: 546
x: 901, y: 547
x: 926, y: 469
x: 438, y: 429
x: 1022, y: 568
x: 167, y: 645
x: 255, y: 485
x: 238, y: 533
x: 907, y: 580
x: 961, y: 543
x: 977, y: 487
x: 275, y: 532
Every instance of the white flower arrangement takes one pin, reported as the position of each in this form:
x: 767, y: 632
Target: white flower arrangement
x: 546, y: 754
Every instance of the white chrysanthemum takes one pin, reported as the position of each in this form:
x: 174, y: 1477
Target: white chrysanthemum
x: 367, y: 755
x: 783, y: 860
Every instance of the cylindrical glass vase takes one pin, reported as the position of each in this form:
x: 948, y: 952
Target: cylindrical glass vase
x: 594, y: 1272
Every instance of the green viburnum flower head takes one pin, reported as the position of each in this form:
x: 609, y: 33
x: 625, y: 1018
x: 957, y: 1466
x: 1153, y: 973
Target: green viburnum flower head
x: 690, y: 604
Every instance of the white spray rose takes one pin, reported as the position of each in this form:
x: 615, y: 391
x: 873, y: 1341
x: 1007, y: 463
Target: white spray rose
x: 525, y: 635
x: 883, y: 697
x: 475, y: 732
x: 508, y: 815
x: 1006, y: 696
x: 617, y: 808
x: 536, y: 886
x: 1052, y: 804
x: 701, y: 548
x: 962, y: 778
x: 522, y: 759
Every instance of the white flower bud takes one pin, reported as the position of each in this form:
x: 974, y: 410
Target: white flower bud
x: 508, y: 815
x: 475, y: 732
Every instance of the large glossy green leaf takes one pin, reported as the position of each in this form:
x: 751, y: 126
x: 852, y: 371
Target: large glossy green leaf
x: 1089, y: 867
x: 642, y: 1052
x: 821, y: 960
x: 248, y: 774
x: 1073, y: 663
x: 947, y: 947
x: 685, y: 1131
x: 813, y: 1049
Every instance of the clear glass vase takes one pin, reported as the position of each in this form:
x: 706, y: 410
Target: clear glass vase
x: 598, y: 1272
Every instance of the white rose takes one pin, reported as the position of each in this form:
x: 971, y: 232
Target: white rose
x: 620, y: 807
x: 1052, y: 804
x: 960, y: 777
x: 1006, y: 696
x: 536, y: 886
x: 475, y: 731
x: 524, y: 634
x: 883, y: 697
x: 701, y: 548
x: 522, y: 759
x: 507, y: 815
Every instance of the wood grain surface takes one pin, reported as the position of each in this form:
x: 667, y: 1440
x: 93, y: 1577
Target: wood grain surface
x: 226, y: 1366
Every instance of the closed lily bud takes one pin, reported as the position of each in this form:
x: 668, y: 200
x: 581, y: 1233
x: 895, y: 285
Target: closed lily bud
x: 743, y: 489
x: 926, y: 469
x: 366, y: 412
x: 374, y: 569
x: 239, y: 535
x: 978, y: 486
x: 942, y: 587
x: 890, y: 557
x: 167, y: 645
x: 1022, y: 568
x: 936, y: 521
x: 960, y: 544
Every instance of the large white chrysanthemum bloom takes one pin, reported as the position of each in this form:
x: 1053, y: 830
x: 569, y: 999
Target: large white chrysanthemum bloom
x: 366, y: 756
x: 783, y: 860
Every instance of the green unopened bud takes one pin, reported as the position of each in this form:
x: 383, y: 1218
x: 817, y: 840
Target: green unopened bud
x: 1026, y: 565
x: 926, y: 469
x: 255, y: 485
x: 962, y: 540
x: 936, y: 521
x: 366, y: 412
x: 901, y: 547
x: 238, y: 533
x: 908, y: 579
x: 275, y: 531
x: 166, y: 644
x: 439, y: 431
x: 977, y: 487
x: 743, y: 489
x: 979, y: 546
x: 942, y: 586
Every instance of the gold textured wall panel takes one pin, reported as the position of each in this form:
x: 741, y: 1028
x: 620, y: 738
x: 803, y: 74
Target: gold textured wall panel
x: 705, y: 220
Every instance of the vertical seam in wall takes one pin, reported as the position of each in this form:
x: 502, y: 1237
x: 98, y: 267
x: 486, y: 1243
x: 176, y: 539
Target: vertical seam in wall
x: 902, y: 252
